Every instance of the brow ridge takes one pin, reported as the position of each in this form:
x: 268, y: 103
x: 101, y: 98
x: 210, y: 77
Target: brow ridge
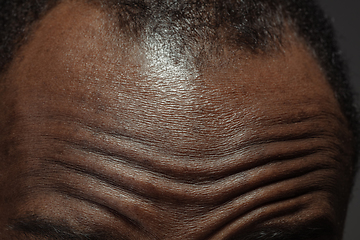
x: 312, y: 231
x: 36, y: 226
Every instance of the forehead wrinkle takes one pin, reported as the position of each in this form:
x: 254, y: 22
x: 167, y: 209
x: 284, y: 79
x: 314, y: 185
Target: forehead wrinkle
x: 108, y: 163
x: 239, y: 183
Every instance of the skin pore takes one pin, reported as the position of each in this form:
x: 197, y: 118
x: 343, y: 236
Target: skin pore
x: 107, y: 138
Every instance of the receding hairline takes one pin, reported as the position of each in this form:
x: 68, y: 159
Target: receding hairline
x: 200, y: 30
x: 205, y: 44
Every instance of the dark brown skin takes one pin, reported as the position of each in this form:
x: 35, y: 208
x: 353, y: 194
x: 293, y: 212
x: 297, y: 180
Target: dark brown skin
x: 106, y: 135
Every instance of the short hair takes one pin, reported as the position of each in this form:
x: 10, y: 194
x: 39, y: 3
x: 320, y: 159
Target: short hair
x: 259, y: 26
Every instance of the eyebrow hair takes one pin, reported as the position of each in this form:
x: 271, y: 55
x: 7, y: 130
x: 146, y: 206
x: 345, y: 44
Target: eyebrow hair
x: 35, y: 225
x: 311, y: 231
x: 56, y: 230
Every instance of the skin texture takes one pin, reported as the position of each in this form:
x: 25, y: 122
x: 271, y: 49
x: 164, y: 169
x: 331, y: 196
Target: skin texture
x: 112, y: 136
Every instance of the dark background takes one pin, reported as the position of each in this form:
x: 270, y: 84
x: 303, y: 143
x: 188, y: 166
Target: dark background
x: 346, y: 18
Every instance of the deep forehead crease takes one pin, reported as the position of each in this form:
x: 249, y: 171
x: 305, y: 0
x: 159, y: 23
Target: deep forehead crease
x: 200, y: 171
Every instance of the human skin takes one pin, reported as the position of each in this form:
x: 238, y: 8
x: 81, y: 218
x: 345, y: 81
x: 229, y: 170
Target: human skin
x: 111, y: 136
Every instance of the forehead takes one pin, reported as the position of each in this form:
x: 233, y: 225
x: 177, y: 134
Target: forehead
x: 99, y: 115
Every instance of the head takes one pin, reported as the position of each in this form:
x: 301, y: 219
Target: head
x: 173, y: 120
